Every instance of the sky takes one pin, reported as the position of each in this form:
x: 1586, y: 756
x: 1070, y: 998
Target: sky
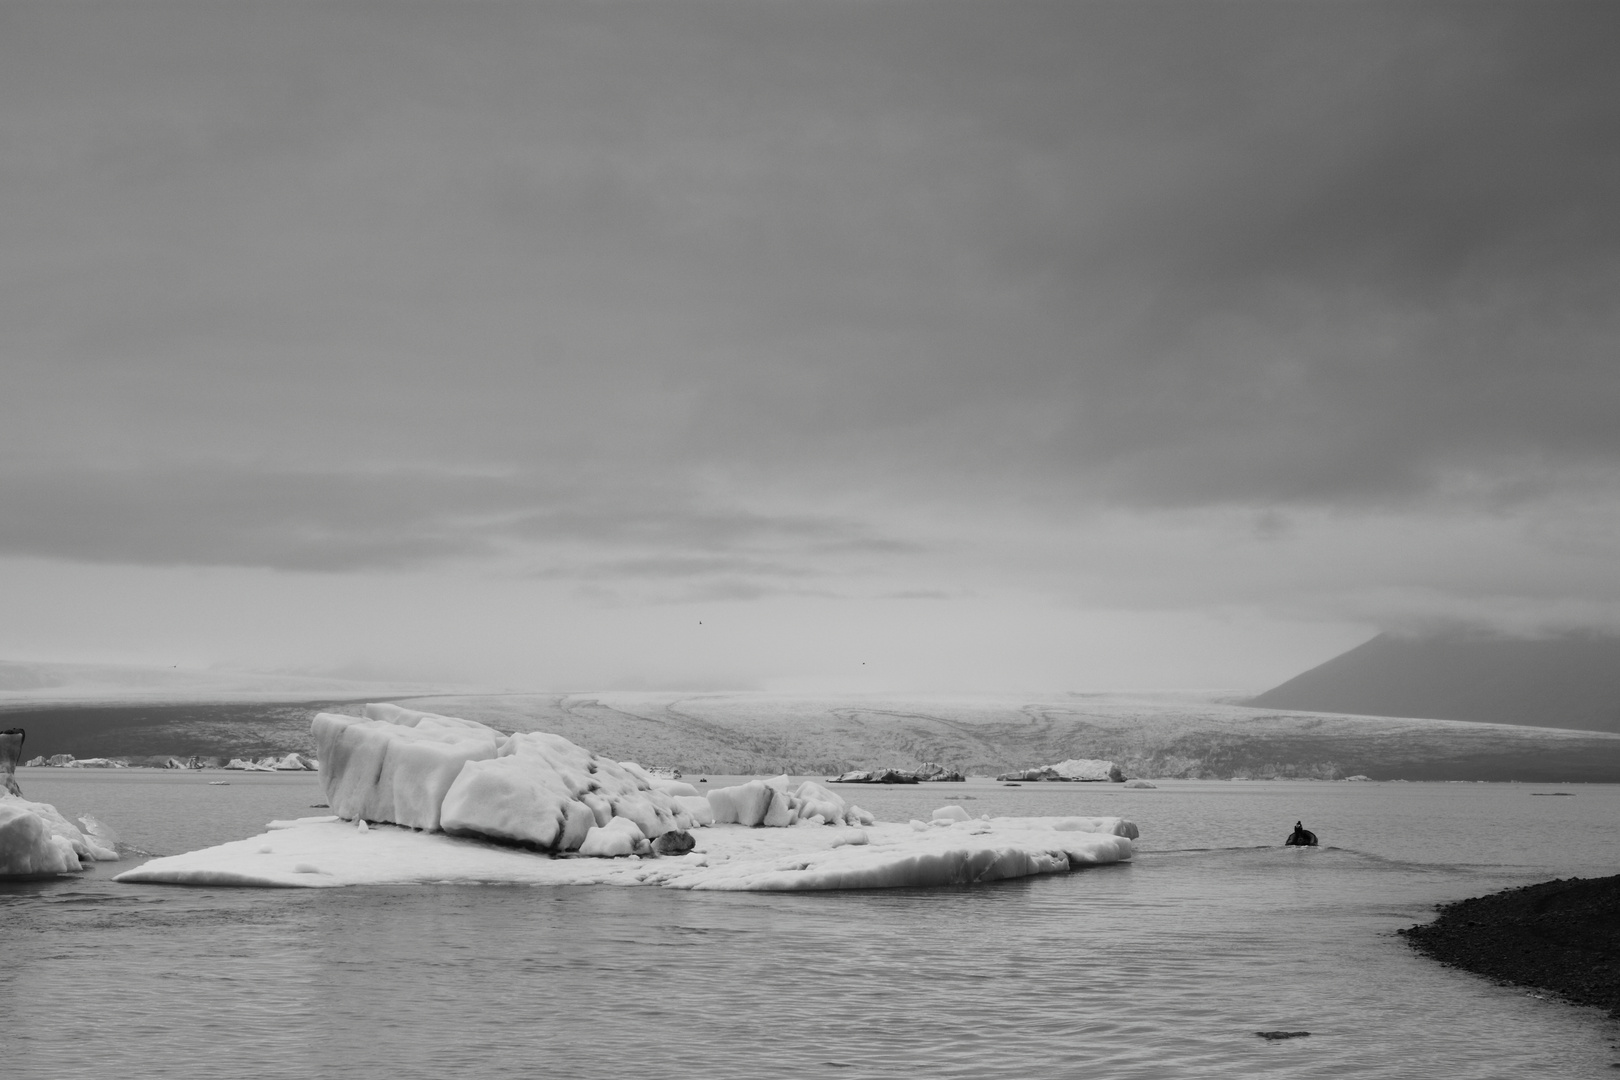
x: 804, y: 344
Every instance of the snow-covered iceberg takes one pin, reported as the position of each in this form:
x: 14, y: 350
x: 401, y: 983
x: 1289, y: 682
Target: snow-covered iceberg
x: 38, y: 841
x: 474, y: 805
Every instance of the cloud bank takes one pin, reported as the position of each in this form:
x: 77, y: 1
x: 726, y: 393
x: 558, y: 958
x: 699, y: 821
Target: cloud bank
x: 1254, y: 307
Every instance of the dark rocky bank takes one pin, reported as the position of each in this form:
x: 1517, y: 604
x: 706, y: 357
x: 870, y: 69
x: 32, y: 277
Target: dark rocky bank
x: 1561, y: 936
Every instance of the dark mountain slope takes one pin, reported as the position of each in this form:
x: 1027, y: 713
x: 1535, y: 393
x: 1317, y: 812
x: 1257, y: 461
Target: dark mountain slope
x: 1562, y: 682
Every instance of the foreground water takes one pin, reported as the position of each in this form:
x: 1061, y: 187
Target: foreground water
x: 1163, y: 968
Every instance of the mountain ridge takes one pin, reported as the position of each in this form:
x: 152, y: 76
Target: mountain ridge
x: 1570, y: 681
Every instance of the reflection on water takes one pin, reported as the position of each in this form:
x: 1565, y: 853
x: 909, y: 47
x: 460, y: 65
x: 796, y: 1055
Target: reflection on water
x: 1164, y: 968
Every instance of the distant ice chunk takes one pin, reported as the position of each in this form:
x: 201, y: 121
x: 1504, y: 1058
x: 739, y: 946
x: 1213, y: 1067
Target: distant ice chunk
x: 669, y: 785
x: 771, y: 804
x: 951, y: 813
x: 1074, y: 769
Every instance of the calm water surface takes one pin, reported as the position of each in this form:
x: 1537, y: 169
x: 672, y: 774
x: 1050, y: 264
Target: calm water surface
x: 1163, y: 968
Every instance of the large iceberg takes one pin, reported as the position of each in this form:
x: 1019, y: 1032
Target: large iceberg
x: 36, y: 840
x: 476, y: 805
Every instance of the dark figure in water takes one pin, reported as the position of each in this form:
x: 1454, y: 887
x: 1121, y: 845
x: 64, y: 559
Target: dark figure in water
x: 1300, y: 837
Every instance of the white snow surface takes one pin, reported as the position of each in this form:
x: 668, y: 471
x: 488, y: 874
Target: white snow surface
x: 36, y: 840
x: 326, y: 852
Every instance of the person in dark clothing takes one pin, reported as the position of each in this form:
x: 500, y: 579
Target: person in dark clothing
x: 1300, y: 837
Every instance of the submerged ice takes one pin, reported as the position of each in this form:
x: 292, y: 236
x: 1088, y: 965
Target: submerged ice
x: 475, y: 804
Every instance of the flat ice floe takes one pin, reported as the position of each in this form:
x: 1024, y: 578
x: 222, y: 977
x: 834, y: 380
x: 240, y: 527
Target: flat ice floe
x: 326, y: 852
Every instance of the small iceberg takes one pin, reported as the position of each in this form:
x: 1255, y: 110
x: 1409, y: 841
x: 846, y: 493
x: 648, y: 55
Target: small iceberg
x: 36, y: 840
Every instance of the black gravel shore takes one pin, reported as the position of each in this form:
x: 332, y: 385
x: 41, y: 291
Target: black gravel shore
x: 1562, y: 936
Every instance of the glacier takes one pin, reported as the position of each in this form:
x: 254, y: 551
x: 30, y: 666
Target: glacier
x: 423, y: 798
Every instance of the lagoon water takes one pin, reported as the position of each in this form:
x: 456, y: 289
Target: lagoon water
x: 1163, y: 968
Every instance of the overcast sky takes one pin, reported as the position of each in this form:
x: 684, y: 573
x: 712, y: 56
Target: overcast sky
x: 804, y: 343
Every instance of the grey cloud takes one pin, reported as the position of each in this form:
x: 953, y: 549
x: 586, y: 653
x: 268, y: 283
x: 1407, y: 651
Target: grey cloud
x: 315, y: 522
x: 342, y: 521
x: 639, y: 515
x: 676, y: 566
x: 1161, y: 254
x: 737, y: 590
